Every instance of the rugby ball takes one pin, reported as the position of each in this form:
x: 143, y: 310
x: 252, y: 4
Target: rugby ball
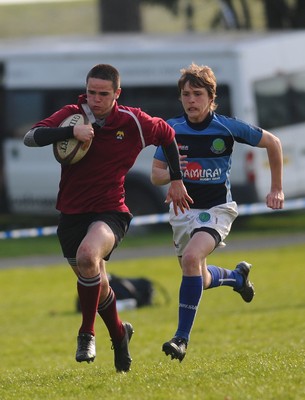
x: 70, y: 151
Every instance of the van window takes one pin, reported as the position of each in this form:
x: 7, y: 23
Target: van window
x: 158, y: 101
x: 280, y: 100
x: 223, y: 100
x: 163, y: 101
x: 23, y: 108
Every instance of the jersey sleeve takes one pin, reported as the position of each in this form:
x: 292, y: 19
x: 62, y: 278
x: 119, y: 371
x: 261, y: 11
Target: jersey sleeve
x: 48, y: 130
x: 58, y: 117
x: 244, y: 132
x: 156, y: 131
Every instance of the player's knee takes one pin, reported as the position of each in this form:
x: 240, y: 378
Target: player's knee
x: 190, y: 264
x: 86, y: 260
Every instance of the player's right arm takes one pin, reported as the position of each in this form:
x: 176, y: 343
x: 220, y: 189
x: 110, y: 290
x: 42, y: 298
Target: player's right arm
x: 275, y: 197
x: 49, y: 131
x: 159, y: 173
x: 43, y: 136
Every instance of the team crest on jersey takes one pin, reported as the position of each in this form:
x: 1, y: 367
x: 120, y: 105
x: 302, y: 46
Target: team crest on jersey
x: 204, y: 217
x: 218, y: 146
x: 120, y: 135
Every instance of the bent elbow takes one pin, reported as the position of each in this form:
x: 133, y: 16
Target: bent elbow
x: 29, y: 140
x: 157, y: 180
x: 154, y: 179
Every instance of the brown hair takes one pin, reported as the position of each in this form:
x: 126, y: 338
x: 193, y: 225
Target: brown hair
x: 106, y: 72
x: 199, y: 76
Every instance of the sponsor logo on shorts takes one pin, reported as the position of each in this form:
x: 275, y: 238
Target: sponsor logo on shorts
x: 204, y: 217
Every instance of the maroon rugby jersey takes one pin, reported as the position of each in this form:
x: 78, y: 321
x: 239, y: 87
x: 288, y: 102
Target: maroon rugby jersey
x: 96, y: 183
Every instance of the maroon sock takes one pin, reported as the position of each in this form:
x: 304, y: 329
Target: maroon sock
x: 108, y: 311
x: 89, y: 290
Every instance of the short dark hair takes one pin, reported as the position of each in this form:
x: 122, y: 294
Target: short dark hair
x: 106, y: 72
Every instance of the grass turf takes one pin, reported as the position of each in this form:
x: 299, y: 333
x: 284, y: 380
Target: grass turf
x: 238, y: 351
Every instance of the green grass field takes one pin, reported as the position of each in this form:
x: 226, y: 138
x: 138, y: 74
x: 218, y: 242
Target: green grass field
x: 238, y: 351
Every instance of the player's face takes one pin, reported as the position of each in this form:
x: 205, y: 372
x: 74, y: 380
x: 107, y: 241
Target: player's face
x: 196, y: 102
x: 101, y: 96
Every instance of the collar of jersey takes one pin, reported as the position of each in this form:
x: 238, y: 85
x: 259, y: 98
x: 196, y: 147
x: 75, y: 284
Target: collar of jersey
x: 200, y: 125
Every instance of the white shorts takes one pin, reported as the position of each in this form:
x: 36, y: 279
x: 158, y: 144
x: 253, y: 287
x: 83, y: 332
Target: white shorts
x: 219, y: 218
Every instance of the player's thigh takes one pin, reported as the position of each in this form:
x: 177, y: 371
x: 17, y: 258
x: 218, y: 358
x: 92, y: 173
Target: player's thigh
x: 99, y: 240
x: 200, y: 245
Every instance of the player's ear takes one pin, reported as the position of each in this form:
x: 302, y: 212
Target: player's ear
x: 117, y: 93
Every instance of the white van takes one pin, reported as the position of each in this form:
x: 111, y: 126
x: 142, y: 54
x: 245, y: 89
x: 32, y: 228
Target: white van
x: 261, y: 79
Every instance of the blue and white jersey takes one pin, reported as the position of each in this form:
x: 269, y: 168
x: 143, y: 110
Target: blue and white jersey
x: 208, y: 147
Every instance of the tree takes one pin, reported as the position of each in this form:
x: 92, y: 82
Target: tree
x: 125, y: 15
x: 228, y: 17
x: 277, y: 14
x: 172, y: 5
x: 281, y: 15
x: 299, y: 14
x: 120, y: 16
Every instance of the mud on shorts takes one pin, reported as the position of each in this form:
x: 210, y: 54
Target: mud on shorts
x: 72, y: 229
x: 217, y: 221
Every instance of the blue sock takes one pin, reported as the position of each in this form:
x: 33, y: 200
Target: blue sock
x: 225, y: 277
x: 189, y: 298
